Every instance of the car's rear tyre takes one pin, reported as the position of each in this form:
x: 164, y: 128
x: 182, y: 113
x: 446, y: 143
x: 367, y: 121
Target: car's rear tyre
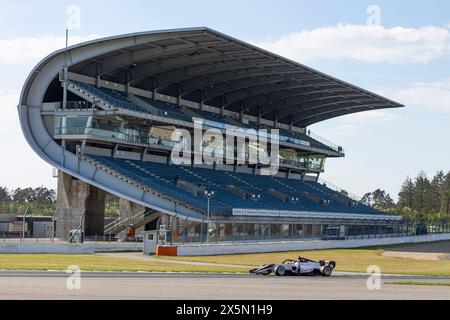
x: 326, y: 271
x: 280, y: 271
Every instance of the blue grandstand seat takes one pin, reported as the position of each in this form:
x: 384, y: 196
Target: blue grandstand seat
x: 162, y: 178
x: 167, y: 109
x: 122, y: 100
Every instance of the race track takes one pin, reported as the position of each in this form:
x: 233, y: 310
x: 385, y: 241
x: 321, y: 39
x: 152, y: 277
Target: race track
x: 107, y: 285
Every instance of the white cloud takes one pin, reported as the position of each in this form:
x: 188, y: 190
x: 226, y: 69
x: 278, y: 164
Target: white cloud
x: 364, y: 43
x: 434, y: 96
x: 369, y: 117
x: 353, y: 125
x: 20, y: 166
x: 29, y: 50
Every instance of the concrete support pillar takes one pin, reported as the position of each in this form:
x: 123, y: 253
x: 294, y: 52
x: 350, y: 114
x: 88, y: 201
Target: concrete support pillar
x: 95, y: 212
x: 73, y: 197
x: 228, y: 231
x: 128, y: 209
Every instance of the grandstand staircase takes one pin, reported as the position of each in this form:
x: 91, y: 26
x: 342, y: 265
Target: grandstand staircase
x: 88, y: 95
x: 279, y: 195
x: 102, y: 100
x: 138, y: 220
x: 242, y: 181
x: 305, y: 195
x: 195, y: 175
x: 146, y: 106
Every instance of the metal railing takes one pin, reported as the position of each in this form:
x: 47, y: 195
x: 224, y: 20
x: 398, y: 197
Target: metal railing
x: 123, y: 223
x: 77, y: 105
x: 300, y: 164
x: 114, y: 102
x: 325, y: 142
x: 340, y: 190
x: 126, y: 137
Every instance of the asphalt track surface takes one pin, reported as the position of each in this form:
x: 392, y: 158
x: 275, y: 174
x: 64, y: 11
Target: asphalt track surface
x: 32, y: 285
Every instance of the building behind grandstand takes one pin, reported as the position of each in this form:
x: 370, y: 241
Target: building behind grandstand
x: 108, y: 114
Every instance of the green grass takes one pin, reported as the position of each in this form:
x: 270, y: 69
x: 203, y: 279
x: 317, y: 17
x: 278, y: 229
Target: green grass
x: 351, y: 260
x: 99, y: 263
x: 420, y: 283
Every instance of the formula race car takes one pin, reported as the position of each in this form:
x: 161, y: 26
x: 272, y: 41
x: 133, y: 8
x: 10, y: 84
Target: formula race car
x: 300, y: 267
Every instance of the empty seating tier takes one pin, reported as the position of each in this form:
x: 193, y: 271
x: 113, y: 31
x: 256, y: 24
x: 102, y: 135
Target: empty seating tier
x: 120, y: 100
x: 255, y: 191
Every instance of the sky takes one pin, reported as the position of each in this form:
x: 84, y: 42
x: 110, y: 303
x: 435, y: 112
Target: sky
x: 400, y: 49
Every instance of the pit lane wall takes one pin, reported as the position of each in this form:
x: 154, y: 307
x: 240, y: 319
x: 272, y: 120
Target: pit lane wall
x: 263, y: 247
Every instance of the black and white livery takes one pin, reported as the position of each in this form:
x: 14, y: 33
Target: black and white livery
x: 300, y: 267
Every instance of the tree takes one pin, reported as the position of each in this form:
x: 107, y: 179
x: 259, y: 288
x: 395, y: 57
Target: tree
x: 23, y: 195
x: 423, y: 199
x: 445, y: 196
x: 406, y: 194
x: 422, y: 193
x: 437, y: 190
x: 43, y: 195
x: 344, y: 193
x: 378, y: 199
x: 5, y: 197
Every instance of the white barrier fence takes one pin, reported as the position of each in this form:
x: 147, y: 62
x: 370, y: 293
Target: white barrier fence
x: 66, y: 248
x: 312, y: 214
x: 262, y: 247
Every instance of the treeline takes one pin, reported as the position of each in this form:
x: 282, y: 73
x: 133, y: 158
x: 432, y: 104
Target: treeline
x: 38, y: 201
x: 41, y: 201
x: 419, y: 199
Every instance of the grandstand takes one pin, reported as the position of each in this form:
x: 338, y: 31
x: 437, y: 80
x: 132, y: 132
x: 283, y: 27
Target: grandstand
x: 104, y: 113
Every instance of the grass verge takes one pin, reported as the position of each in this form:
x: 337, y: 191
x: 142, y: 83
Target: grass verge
x: 99, y: 263
x: 350, y: 260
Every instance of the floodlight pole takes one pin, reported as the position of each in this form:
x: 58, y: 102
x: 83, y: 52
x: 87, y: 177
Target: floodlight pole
x: 207, y: 223
x: 208, y: 196
x: 53, y: 224
x: 65, y: 71
x: 23, y: 224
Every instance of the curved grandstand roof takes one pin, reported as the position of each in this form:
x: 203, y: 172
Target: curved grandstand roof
x: 203, y: 65
x: 197, y: 64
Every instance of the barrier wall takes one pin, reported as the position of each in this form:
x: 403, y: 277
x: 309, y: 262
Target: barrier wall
x: 45, y: 248
x: 237, y: 248
x: 66, y: 248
